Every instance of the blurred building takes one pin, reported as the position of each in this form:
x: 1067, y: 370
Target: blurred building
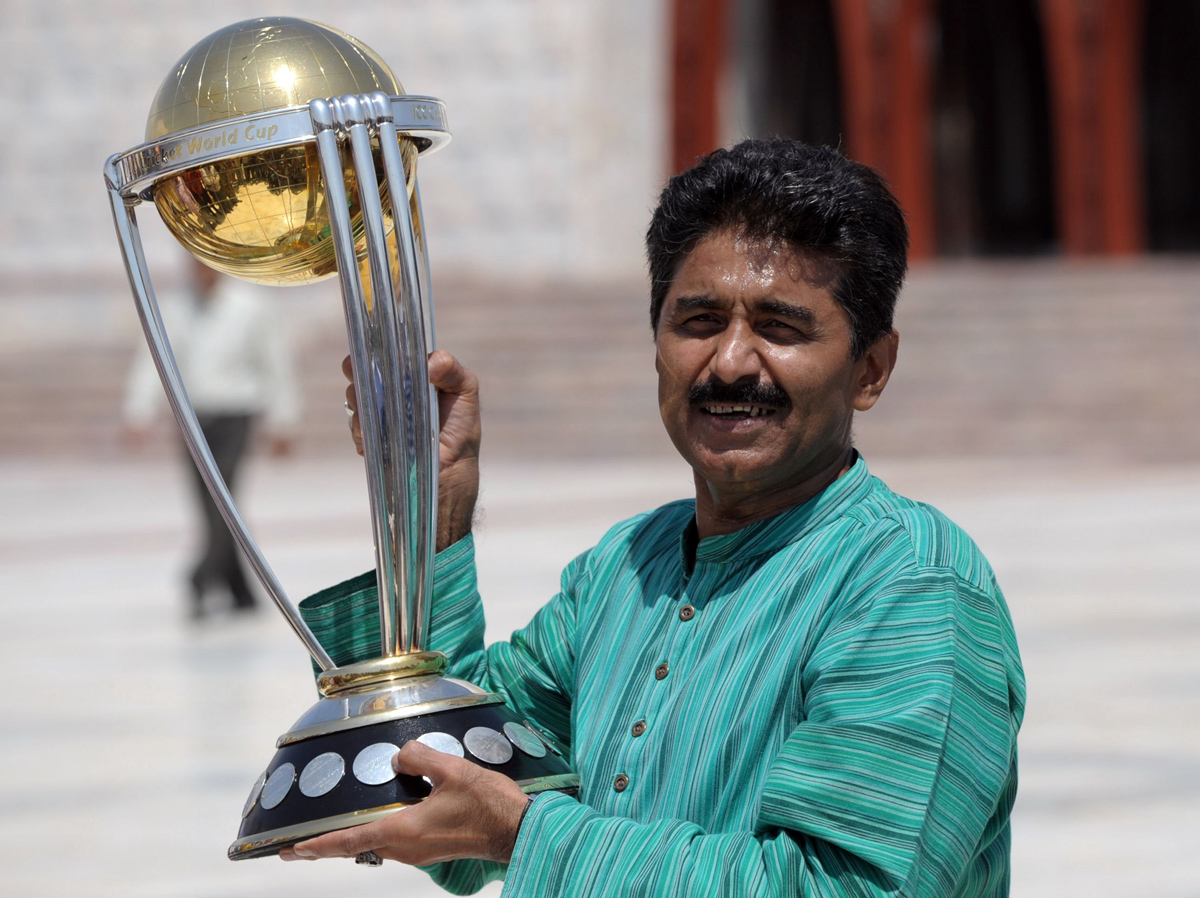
x: 1004, y: 126
x: 1008, y: 128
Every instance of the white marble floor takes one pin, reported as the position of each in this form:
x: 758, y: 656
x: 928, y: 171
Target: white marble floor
x: 130, y: 736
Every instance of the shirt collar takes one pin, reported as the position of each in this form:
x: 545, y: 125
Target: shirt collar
x: 772, y: 534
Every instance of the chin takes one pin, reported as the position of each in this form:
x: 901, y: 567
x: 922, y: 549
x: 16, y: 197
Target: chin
x: 731, y: 465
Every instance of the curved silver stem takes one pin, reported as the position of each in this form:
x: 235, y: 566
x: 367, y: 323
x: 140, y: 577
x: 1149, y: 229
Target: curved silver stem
x: 421, y: 636
x: 164, y: 360
x: 423, y: 270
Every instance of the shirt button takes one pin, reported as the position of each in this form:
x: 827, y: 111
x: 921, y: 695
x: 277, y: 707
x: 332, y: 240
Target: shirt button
x: 621, y: 783
x: 639, y: 728
x: 660, y: 672
x: 687, y: 612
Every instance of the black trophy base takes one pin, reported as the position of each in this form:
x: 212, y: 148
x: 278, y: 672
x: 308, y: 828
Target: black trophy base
x: 345, y: 800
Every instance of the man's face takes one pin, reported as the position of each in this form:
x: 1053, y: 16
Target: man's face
x: 756, y: 384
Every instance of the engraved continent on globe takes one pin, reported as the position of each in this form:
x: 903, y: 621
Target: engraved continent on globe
x: 262, y: 216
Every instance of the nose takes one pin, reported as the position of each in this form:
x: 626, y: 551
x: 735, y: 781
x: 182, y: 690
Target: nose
x: 736, y: 356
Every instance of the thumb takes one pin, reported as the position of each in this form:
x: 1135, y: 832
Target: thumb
x: 342, y: 843
x: 448, y: 375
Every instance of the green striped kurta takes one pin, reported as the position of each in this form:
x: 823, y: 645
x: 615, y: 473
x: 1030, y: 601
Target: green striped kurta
x: 838, y: 717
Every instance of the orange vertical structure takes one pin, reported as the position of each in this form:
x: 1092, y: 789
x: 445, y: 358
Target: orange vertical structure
x: 697, y: 56
x: 1095, y: 74
x: 885, y: 52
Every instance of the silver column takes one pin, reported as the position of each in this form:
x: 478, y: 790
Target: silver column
x: 389, y: 345
x: 416, y: 306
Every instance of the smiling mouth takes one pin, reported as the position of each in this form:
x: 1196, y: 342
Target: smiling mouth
x: 737, y: 411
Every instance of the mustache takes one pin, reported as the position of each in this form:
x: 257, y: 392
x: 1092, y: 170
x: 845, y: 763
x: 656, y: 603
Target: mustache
x: 714, y: 391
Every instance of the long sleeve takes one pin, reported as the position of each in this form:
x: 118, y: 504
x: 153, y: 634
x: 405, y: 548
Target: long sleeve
x: 533, y: 671
x: 887, y: 787
x: 345, y: 617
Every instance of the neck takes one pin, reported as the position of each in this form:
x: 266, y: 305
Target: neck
x: 724, y: 508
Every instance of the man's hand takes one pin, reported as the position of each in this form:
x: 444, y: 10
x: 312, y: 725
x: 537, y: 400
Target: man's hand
x: 458, y: 442
x: 471, y: 813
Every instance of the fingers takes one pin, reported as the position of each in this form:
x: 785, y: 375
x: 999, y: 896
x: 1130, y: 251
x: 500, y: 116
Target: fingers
x: 352, y: 405
x: 445, y: 372
x: 355, y: 424
x: 458, y: 390
x: 417, y: 759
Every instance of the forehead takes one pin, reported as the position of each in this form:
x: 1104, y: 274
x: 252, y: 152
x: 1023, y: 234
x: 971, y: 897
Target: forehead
x: 729, y: 267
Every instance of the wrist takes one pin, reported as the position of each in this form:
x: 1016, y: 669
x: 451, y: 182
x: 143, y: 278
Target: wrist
x: 509, y: 829
x: 459, y: 493
x: 456, y: 527
x: 521, y: 819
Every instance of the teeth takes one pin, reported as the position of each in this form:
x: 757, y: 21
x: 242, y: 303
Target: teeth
x: 753, y: 411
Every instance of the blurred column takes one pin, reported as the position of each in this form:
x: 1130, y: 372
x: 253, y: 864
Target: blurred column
x: 698, y: 47
x: 885, y: 50
x: 1095, y: 77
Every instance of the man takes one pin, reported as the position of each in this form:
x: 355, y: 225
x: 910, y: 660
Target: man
x: 237, y: 367
x: 798, y: 683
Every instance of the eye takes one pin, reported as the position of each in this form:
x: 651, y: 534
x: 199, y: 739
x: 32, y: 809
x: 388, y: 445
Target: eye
x: 700, y: 323
x: 774, y: 324
x: 782, y: 331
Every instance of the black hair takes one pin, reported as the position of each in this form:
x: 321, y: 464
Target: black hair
x: 838, y: 214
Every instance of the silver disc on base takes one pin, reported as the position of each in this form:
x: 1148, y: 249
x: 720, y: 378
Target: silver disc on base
x: 443, y: 742
x: 488, y: 745
x: 373, y: 766
x: 321, y: 774
x: 277, y: 786
x: 524, y: 739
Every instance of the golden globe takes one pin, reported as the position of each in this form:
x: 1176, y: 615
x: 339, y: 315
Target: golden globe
x: 262, y: 216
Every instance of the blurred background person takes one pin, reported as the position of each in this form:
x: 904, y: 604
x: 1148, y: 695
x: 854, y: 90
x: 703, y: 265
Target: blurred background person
x: 237, y: 367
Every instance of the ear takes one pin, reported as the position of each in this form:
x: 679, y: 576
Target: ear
x: 874, y: 369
